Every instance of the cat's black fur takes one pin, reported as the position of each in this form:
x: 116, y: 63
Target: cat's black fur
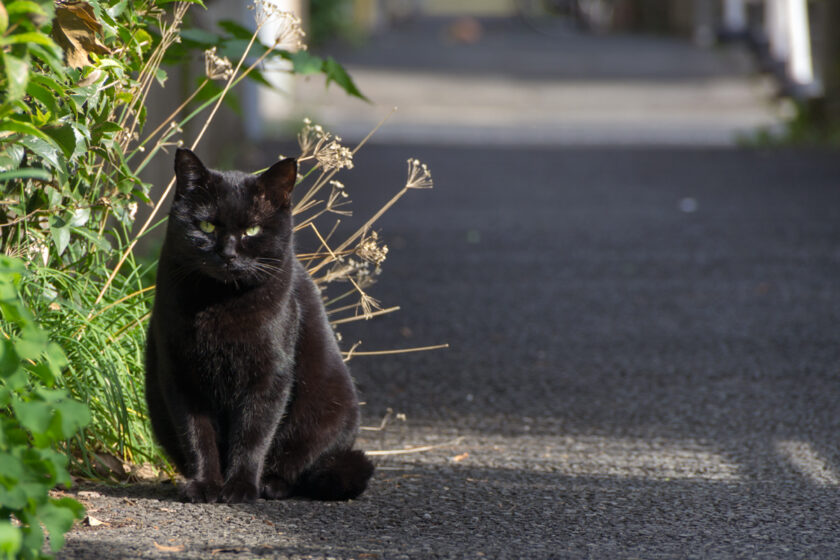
x: 246, y: 387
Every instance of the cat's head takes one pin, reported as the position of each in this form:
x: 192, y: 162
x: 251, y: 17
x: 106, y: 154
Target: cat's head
x: 232, y: 226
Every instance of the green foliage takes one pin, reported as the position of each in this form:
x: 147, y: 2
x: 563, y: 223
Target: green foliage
x: 808, y: 124
x: 233, y: 40
x: 328, y: 19
x: 74, y: 78
x: 69, y: 158
x: 36, y: 417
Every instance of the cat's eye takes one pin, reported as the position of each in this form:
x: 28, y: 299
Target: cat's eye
x: 252, y: 231
x: 206, y: 227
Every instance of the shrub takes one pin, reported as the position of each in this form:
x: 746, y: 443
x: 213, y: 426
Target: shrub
x: 36, y: 418
x: 73, y: 87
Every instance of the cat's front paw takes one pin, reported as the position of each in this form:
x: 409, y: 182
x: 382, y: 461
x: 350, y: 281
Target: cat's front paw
x: 201, y: 491
x: 275, y: 488
x: 237, y: 491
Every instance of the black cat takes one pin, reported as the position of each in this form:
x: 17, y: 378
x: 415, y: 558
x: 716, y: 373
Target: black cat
x: 246, y: 387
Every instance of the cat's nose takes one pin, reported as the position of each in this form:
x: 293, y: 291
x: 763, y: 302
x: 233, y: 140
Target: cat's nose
x: 228, y: 249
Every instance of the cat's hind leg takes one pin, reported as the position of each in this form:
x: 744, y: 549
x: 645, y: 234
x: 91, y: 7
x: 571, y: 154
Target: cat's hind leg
x: 342, y: 475
x: 316, y: 463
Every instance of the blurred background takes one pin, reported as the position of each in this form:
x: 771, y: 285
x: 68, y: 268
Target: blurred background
x: 634, y: 237
x: 548, y: 72
x: 634, y: 225
x: 711, y: 72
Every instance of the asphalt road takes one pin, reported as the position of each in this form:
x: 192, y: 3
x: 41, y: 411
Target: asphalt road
x: 644, y: 364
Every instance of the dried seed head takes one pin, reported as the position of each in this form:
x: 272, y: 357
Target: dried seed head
x: 311, y: 138
x: 370, y: 250
x: 337, y: 199
x: 368, y: 304
x: 216, y: 67
x: 289, y: 34
x: 335, y: 156
x: 419, y: 176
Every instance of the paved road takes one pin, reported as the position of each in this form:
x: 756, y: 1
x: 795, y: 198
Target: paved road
x: 644, y: 340
x: 644, y: 364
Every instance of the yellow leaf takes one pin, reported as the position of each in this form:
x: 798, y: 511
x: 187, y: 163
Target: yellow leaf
x: 4, y: 18
x: 459, y: 458
x: 75, y: 29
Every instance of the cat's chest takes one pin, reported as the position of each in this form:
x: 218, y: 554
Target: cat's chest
x: 229, y: 323
x: 241, y: 343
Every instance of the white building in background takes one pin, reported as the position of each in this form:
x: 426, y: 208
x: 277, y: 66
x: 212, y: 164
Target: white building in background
x: 262, y: 102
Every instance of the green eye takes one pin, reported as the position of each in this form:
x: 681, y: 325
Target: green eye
x: 252, y: 231
x: 206, y: 227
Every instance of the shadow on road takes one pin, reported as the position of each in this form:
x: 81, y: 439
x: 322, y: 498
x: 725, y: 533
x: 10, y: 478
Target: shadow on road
x: 450, y: 511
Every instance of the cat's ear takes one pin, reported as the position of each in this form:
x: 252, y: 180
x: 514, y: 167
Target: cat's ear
x: 189, y: 171
x: 277, y: 182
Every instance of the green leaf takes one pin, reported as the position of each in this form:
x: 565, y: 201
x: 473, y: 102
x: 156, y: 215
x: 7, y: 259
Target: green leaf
x: 70, y: 416
x: 21, y: 7
x: 236, y: 29
x: 104, y: 132
x: 17, y: 75
x: 50, y: 368
x: 80, y: 217
x: 46, y: 151
x: 53, y: 465
x: 25, y: 128
x: 304, y: 63
x: 12, y: 271
x: 200, y: 37
x: 55, y: 357
x: 12, y: 498
x: 11, y: 468
x: 54, y: 198
x: 9, y: 359
x: 31, y: 343
x: 11, y: 156
x: 51, y: 56
x: 49, y: 83
x: 43, y: 372
x: 109, y: 126
x: 44, y: 96
x: 5, y: 398
x: 11, y: 307
x: 235, y: 48
x: 58, y: 515
x: 10, y: 537
x: 335, y: 72
x: 258, y: 77
x: 64, y: 137
x: 160, y: 76
x: 60, y: 233
x: 35, y: 416
x: 28, y: 173
x: 99, y: 241
x: 143, y: 40
x: 34, y: 487
x: 117, y: 9
x: 31, y: 37
x: 33, y: 536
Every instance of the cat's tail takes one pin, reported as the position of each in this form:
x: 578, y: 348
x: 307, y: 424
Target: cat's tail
x: 341, y: 475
